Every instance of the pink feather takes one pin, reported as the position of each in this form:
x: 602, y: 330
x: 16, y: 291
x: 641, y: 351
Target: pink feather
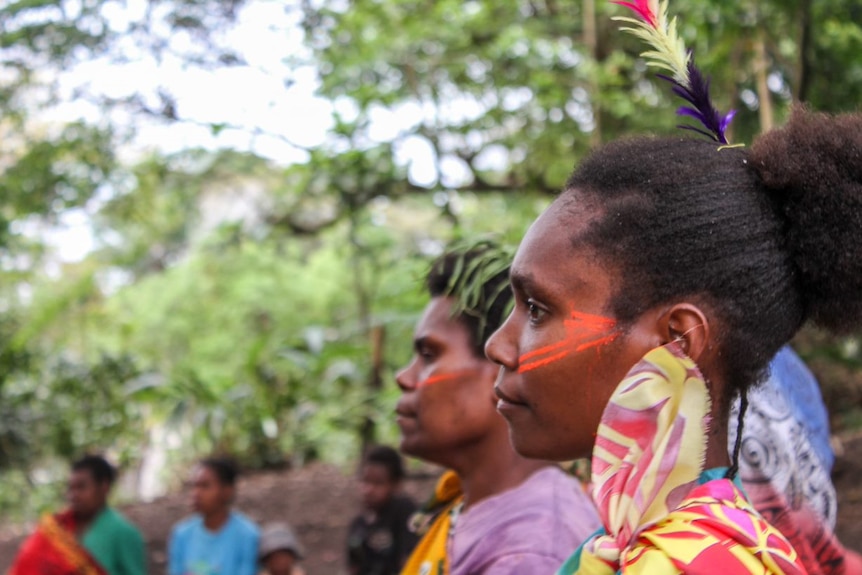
x: 641, y: 7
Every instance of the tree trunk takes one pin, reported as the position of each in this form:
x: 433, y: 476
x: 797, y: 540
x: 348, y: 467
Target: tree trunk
x: 761, y: 66
x: 803, y: 64
x: 377, y: 336
x: 591, y: 40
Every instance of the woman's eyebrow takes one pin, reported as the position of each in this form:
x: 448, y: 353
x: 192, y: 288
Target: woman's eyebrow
x: 525, y: 282
x: 522, y: 281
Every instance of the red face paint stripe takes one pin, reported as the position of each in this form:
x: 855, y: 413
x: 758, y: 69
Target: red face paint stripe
x: 442, y: 377
x: 544, y: 350
x: 531, y: 365
x: 541, y: 362
x: 596, y: 343
x: 590, y: 321
x: 580, y: 327
x: 593, y: 324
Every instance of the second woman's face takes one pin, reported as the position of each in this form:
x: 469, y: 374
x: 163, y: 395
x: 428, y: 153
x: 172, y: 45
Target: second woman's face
x: 562, y: 352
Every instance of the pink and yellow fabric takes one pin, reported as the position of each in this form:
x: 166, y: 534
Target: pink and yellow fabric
x: 646, y: 470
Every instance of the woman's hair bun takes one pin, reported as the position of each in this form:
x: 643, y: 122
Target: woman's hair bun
x: 812, y: 169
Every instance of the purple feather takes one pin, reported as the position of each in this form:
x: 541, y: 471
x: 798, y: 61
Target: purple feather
x: 701, y: 109
x: 686, y: 111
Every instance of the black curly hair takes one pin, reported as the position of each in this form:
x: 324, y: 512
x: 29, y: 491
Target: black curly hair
x: 767, y: 238
x: 477, y: 276
x: 225, y: 469
x: 98, y: 467
x: 388, y: 458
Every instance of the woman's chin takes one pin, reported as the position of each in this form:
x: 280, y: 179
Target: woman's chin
x: 535, y: 445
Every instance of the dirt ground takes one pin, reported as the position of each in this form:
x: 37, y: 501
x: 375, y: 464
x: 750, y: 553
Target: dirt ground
x: 320, y: 500
x: 847, y: 476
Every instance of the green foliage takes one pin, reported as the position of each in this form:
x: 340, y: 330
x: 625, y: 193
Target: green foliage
x: 69, y: 408
x: 55, y: 34
x: 232, y: 304
x: 46, y: 177
x: 834, y: 56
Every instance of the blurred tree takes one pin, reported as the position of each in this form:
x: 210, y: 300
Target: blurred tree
x: 509, y: 94
x: 240, y: 304
x: 41, y: 38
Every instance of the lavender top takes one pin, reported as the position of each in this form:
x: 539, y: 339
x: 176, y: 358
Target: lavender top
x: 530, y: 529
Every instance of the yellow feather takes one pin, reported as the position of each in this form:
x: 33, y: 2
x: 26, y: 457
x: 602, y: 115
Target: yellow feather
x: 668, y: 51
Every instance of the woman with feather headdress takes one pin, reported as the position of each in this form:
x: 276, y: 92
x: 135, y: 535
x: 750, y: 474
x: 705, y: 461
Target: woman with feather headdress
x: 654, y: 290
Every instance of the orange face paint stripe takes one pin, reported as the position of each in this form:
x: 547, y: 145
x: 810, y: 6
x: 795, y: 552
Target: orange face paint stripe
x: 544, y: 350
x: 541, y: 362
x: 442, y: 377
x: 592, y: 322
x: 531, y: 365
x: 599, y: 342
x: 580, y: 323
x: 569, y: 340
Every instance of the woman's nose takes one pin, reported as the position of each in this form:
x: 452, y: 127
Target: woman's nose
x: 501, y: 348
x: 406, y: 378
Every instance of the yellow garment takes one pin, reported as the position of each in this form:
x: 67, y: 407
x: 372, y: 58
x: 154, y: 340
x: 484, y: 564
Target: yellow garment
x: 429, y: 555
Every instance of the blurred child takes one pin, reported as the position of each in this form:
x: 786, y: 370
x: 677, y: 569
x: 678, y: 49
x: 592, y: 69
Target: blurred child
x: 280, y: 551
x: 217, y: 539
x: 379, y: 540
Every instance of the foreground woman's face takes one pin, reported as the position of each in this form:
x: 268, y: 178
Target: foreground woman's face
x: 561, y: 350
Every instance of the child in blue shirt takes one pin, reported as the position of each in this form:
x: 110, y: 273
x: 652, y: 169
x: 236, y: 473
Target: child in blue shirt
x: 216, y: 540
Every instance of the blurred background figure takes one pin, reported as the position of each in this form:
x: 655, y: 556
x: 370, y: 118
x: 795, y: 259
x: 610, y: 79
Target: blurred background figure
x: 379, y: 541
x: 216, y: 540
x: 786, y: 462
x: 280, y: 551
x: 90, y: 537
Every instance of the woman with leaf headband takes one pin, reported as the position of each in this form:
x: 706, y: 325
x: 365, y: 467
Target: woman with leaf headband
x: 655, y: 289
x: 494, y: 512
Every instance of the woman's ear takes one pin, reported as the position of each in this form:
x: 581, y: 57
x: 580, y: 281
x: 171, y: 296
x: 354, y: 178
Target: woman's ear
x: 686, y: 324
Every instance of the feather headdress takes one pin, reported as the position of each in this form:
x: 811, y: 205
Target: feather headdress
x: 669, y: 54
x: 478, y: 279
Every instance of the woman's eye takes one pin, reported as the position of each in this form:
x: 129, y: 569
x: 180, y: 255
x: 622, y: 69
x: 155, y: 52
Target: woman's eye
x: 535, y: 312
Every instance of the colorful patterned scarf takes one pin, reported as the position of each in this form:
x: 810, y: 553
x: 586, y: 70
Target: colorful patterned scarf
x: 433, y: 523
x: 53, y: 549
x: 647, y: 461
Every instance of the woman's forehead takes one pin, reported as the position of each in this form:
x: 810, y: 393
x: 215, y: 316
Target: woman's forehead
x: 550, y: 260
x: 548, y: 243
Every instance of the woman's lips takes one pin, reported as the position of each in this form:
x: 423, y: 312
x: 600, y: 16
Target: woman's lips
x: 403, y: 414
x: 508, y: 401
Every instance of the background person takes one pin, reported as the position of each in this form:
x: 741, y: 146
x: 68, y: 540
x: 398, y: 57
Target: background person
x: 494, y: 511
x: 216, y: 540
x: 378, y: 540
x: 785, y: 464
x: 280, y: 551
x: 90, y: 537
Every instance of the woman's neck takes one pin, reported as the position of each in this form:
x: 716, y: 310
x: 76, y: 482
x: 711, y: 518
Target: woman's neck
x: 492, y: 468
x: 716, y: 439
